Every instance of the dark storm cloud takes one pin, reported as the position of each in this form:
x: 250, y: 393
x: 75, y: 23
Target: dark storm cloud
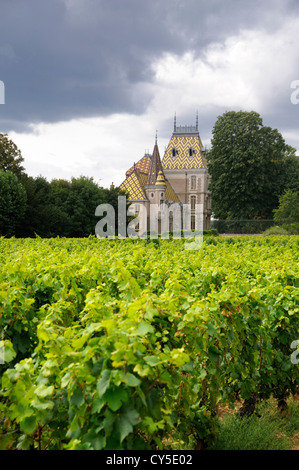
x: 59, y: 62
x: 62, y: 59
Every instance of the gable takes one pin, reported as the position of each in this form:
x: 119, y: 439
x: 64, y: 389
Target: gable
x: 182, y: 144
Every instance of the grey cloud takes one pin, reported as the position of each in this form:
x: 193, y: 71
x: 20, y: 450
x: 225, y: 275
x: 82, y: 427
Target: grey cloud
x: 64, y: 59
x: 57, y: 66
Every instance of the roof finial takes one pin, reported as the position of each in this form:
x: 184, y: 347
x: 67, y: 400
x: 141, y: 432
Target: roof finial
x: 174, y: 122
x: 197, y: 120
x: 156, y: 138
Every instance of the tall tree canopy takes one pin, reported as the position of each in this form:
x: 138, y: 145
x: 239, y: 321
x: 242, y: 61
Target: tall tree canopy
x: 63, y: 208
x: 33, y: 206
x: 12, y: 203
x: 38, y: 217
x: 75, y: 202
x: 247, y: 166
x: 10, y: 156
x: 290, y: 177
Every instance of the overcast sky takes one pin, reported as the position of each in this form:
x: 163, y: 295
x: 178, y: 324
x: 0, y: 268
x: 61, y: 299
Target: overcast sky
x: 88, y: 82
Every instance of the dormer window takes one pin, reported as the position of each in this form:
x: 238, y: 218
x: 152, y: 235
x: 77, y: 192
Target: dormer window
x: 174, y: 152
x: 191, y: 152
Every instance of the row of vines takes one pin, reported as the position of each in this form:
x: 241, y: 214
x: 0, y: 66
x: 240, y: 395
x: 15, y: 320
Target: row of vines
x: 135, y: 344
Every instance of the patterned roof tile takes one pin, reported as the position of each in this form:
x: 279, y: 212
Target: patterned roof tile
x: 143, y: 165
x: 182, y: 144
x: 134, y: 186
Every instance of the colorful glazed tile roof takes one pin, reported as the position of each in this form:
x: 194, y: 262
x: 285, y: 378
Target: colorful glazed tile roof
x: 134, y: 184
x: 182, y: 144
x: 160, y: 179
x: 170, y: 194
x: 141, y: 174
x: 143, y: 165
x: 184, y: 151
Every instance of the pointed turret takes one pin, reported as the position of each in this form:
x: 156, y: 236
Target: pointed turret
x: 160, y: 179
x: 155, y: 167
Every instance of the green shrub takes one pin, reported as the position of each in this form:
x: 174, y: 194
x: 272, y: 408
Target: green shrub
x: 276, y: 230
x: 292, y: 229
x: 211, y: 232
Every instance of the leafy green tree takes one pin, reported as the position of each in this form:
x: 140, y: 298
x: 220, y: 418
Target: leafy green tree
x: 63, y: 208
x: 40, y: 215
x: 290, y: 177
x: 12, y: 203
x: 10, y: 156
x: 288, y: 209
x: 76, y: 202
x: 246, y: 164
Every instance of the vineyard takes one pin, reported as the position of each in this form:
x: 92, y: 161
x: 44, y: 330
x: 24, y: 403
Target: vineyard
x: 135, y: 344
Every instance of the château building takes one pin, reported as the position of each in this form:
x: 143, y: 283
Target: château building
x: 180, y: 179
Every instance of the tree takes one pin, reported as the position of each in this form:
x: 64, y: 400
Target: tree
x: 246, y: 166
x: 288, y: 209
x: 10, y: 156
x: 290, y: 178
x: 76, y: 202
x: 38, y: 217
x: 12, y: 203
x: 63, y: 208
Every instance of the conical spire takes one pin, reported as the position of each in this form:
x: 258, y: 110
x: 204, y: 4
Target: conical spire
x: 156, y: 165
